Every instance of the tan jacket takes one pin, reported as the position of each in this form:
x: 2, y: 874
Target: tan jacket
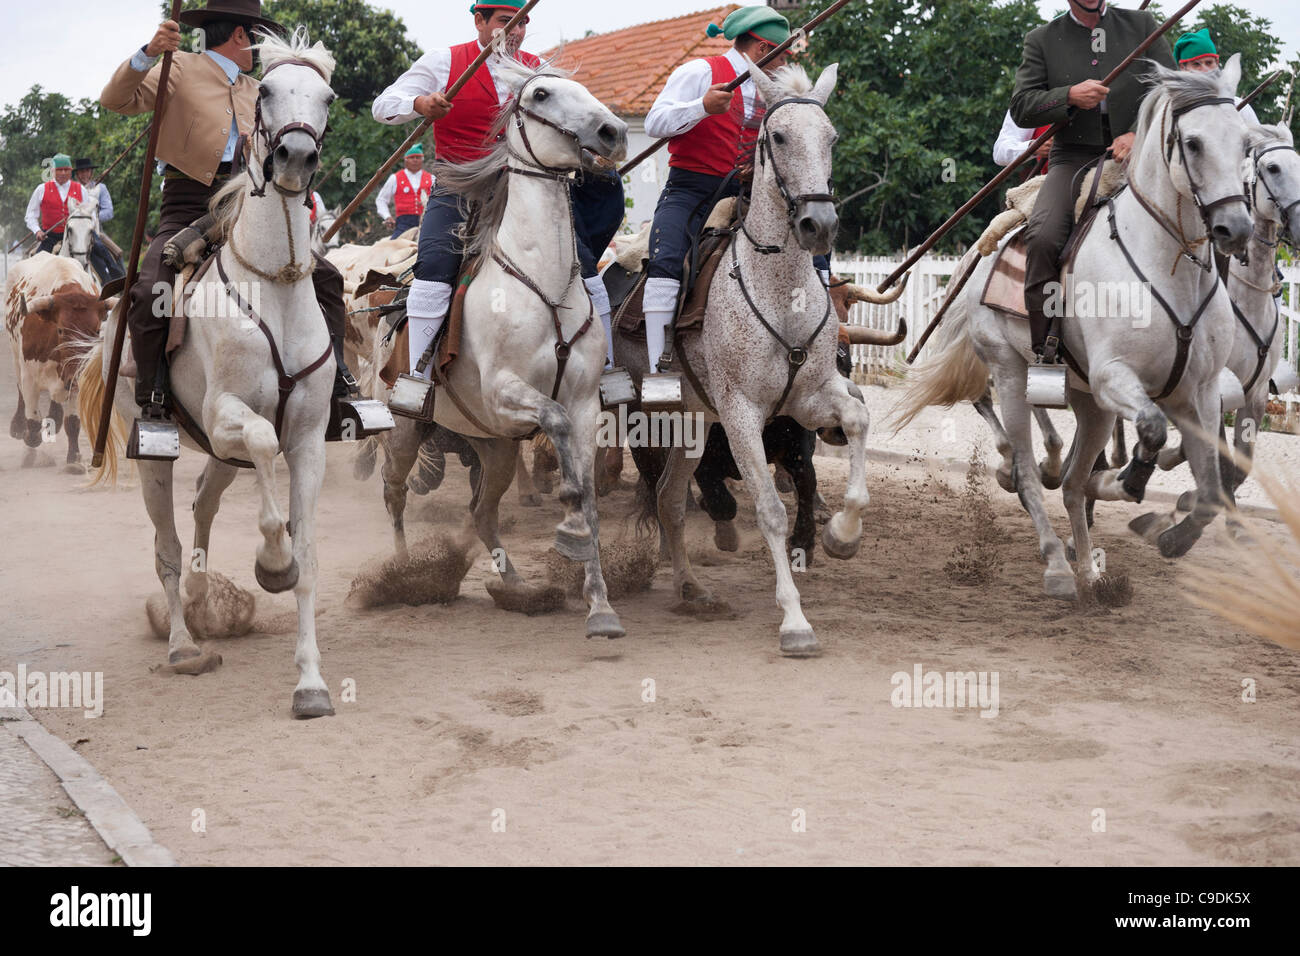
x: 196, y: 121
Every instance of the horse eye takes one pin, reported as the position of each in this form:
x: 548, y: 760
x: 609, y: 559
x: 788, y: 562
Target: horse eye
x: 1193, y: 145
x: 778, y: 139
x: 1274, y: 168
x: 540, y: 95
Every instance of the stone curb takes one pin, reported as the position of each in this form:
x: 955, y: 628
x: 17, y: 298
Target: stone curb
x: 105, y: 810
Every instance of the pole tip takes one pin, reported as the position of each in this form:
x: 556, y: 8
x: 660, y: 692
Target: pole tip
x: 97, y: 460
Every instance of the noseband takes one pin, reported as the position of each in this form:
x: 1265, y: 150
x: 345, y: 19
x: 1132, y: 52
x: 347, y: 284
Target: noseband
x: 765, y: 155
x: 272, y: 141
x: 1283, y: 211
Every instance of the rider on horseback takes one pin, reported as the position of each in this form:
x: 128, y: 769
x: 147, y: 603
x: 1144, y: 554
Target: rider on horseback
x: 47, y: 211
x: 211, y: 104
x: 459, y: 134
x: 711, y: 134
x: 1059, y: 79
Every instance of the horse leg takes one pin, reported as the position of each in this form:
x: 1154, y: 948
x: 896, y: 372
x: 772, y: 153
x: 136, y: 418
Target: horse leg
x: 215, y: 478
x: 1000, y: 440
x: 1203, y: 458
x: 1119, y: 454
x: 306, y: 461
x: 1049, y: 469
x: 1093, y: 429
x: 401, y: 448
x: 156, y: 486
x: 1117, y: 389
x: 674, y: 485
x: 843, y: 533
x: 497, y: 458
x: 1009, y: 373
x: 573, y: 535
x: 744, y: 425
x: 797, y: 456
x: 237, y: 428
x: 718, y: 501
x: 602, y: 620
x: 72, y: 426
x: 18, y: 424
x: 56, y: 414
x: 527, y: 491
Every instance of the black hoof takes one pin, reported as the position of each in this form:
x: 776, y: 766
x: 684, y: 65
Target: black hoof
x: 33, y: 437
x: 1049, y: 481
x: 275, y: 582
x: 799, y: 644
x: 312, y: 703
x: 1178, y: 540
x: 605, y: 624
x: 575, y: 547
x: 725, y: 537
x: 1186, y: 501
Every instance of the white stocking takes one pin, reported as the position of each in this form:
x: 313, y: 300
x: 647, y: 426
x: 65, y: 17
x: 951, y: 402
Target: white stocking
x: 660, y: 304
x: 426, y: 310
x: 600, y: 299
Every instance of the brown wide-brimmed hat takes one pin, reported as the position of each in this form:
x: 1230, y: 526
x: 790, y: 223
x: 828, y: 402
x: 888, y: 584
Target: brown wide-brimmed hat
x: 244, y: 10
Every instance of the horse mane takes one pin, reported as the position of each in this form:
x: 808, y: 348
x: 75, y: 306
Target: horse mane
x: 227, y: 204
x: 793, y: 79
x: 1175, y: 88
x: 484, y: 181
x: 273, y: 50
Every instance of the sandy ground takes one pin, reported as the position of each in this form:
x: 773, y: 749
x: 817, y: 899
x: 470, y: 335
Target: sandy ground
x: 468, y: 716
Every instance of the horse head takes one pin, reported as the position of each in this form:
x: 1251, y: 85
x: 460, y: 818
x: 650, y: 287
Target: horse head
x: 793, y: 153
x: 292, y: 111
x: 82, y: 225
x: 1203, y: 143
x: 553, y: 118
x: 1275, y: 179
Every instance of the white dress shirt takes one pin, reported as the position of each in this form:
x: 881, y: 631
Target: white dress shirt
x: 389, y: 192
x: 680, y: 105
x: 1011, y: 142
x: 33, y: 217
x: 429, y: 74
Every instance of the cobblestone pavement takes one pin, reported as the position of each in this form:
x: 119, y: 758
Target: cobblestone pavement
x: 39, y: 823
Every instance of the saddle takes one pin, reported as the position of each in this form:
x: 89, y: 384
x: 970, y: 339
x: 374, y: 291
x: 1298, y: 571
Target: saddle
x: 449, y: 336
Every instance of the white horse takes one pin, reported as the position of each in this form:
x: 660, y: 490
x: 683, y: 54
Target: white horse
x: 254, y: 309
x: 322, y: 225
x: 81, y: 228
x: 532, y: 350
x: 1185, y: 193
x: 768, y: 342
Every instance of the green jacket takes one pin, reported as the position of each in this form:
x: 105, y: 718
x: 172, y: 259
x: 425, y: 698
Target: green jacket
x: 1060, y: 54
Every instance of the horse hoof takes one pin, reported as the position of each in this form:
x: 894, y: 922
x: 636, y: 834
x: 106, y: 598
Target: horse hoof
x: 273, y: 582
x: 77, y: 467
x: 530, y: 501
x: 1178, y: 540
x: 784, y: 483
x: 799, y: 643
x: 575, y: 547
x: 837, y: 547
x: 1049, y: 480
x: 605, y: 624
x: 1005, y: 481
x: 1151, y: 525
x: 193, y: 666
x: 1186, y: 501
x: 417, y: 485
x: 312, y: 703
x: 1060, y: 585
x: 725, y: 536
x: 33, y: 439
x: 183, y: 654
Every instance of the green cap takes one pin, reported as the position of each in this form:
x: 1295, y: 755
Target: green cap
x: 508, y: 4
x: 416, y: 150
x: 763, y: 22
x: 62, y: 161
x: 1193, y: 46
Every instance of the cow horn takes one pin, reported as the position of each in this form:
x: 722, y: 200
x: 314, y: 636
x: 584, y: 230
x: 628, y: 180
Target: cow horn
x: 861, y: 335
x: 42, y: 303
x: 856, y: 293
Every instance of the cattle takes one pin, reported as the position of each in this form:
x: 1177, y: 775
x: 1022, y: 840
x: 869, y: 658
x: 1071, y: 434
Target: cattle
x: 51, y: 311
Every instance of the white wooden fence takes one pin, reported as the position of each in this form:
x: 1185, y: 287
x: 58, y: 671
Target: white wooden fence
x: 925, y: 292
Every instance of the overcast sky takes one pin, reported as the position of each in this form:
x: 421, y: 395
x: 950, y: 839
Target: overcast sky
x: 91, y: 38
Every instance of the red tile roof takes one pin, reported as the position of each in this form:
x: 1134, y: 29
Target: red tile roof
x: 627, y: 68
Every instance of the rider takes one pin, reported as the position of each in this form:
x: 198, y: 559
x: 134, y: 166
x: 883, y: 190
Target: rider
x: 1196, y: 52
x: 106, y: 263
x: 47, y: 210
x: 459, y: 132
x: 710, y: 134
x: 210, y: 104
x: 408, y: 190
x: 1048, y: 90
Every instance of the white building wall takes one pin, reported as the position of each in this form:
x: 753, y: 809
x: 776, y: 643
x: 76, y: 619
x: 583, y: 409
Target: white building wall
x: 643, y: 184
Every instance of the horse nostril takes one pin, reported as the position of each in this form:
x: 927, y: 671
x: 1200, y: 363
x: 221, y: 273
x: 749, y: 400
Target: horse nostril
x: 607, y: 134
x: 313, y: 160
x: 807, y: 224
x: 1222, y: 232
x: 281, y: 154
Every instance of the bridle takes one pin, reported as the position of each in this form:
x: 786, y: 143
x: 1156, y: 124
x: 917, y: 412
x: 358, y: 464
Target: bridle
x: 539, y: 170
x: 1283, y: 210
x: 765, y: 155
x: 272, y: 141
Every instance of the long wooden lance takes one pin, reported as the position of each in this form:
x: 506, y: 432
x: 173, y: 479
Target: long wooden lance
x: 1051, y: 131
x: 99, y: 179
x: 803, y: 31
x: 137, y: 239
x: 1261, y: 88
x: 382, y: 172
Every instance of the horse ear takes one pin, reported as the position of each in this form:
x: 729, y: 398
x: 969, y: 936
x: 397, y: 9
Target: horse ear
x: 826, y: 83
x: 766, y: 88
x: 1232, y: 74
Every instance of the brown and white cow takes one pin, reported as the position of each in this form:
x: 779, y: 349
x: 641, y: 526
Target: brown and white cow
x: 51, y: 309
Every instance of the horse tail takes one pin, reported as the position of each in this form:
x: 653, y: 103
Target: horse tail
x: 367, y: 454
x: 649, y: 465
x: 91, y: 396
x: 954, y: 373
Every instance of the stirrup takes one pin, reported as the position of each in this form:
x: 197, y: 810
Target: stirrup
x: 352, y: 419
x: 154, y: 436
x: 413, y: 395
x: 662, y: 392
x: 1046, y: 382
x: 616, y: 388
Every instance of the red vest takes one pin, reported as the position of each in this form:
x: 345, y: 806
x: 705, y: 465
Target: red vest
x: 54, y: 209
x: 715, y: 143
x: 462, y: 134
x: 407, y: 201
